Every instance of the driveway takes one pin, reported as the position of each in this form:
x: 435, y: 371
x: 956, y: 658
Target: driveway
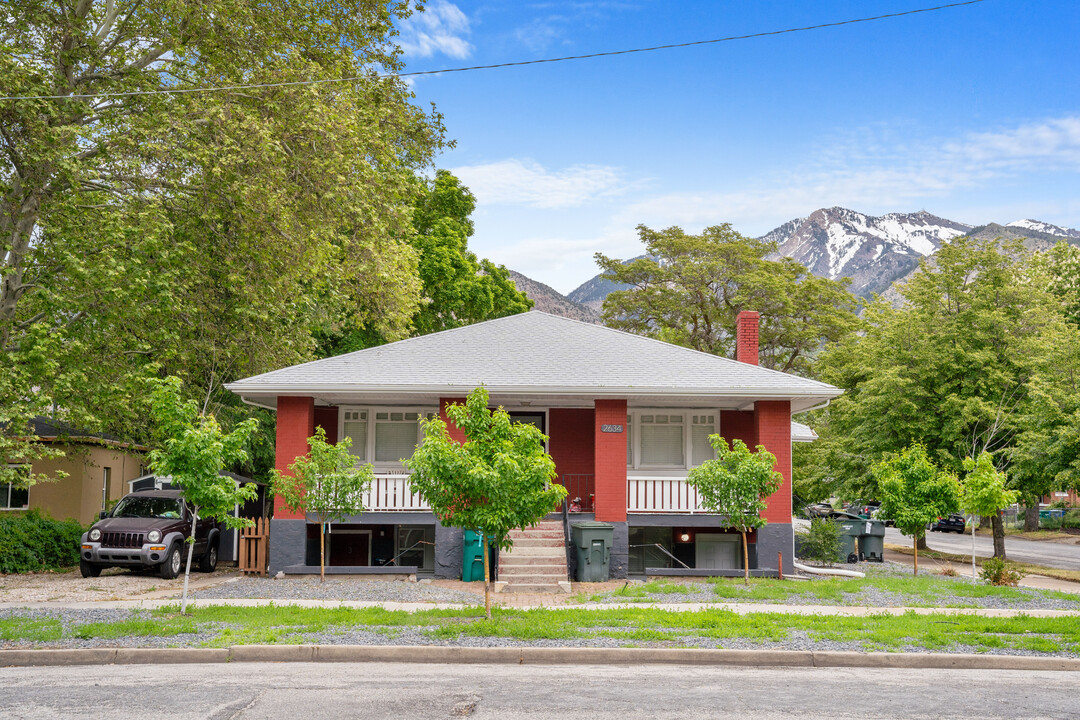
x: 1050, y: 554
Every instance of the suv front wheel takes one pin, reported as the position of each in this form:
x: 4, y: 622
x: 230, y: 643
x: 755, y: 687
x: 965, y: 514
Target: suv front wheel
x: 89, y: 570
x: 171, y: 567
x: 208, y: 562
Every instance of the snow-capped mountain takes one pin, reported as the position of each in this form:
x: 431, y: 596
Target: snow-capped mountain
x: 1045, y: 228
x: 872, y: 251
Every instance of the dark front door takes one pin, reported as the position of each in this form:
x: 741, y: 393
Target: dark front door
x: 349, y: 548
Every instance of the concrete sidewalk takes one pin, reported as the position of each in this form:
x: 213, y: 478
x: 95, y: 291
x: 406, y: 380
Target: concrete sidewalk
x: 740, y: 608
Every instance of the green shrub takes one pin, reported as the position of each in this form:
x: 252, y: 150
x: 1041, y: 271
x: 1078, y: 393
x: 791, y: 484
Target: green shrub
x: 1051, y: 523
x: 996, y: 571
x: 31, y: 542
x: 1072, y: 519
x: 822, y: 543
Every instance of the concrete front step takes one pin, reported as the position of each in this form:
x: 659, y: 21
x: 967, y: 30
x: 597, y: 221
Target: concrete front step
x: 531, y: 542
x: 533, y: 560
x: 520, y: 573
x: 562, y: 586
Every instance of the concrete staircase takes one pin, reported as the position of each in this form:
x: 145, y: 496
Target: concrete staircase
x: 537, y: 562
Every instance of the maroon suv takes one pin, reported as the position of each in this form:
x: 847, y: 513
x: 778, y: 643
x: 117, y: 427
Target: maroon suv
x: 148, y: 529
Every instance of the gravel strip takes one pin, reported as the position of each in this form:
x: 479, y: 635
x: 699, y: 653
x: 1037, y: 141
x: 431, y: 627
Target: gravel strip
x: 348, y: 589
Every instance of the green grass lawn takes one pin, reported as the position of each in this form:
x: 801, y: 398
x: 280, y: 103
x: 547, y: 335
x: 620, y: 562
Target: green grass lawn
x: 225, y: 626
x: 922, y: 591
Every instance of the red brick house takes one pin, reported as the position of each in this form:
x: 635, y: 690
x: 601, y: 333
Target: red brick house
x: 626, y: 417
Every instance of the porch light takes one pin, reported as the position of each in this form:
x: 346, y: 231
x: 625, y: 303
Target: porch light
x: 685, y: 537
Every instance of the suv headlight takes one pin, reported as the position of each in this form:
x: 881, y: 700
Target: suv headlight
x: 153, y: 535
x: 95, y: 534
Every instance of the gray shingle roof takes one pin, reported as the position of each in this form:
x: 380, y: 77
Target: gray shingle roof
x: 533, y: 353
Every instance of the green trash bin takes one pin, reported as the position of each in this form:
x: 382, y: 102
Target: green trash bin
x: 851, y: 528
x: 592, y: 543
x: 472, y: 566
x: 872, y: 541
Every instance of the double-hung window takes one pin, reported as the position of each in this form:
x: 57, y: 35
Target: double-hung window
x: 662, y: 440
x: 700, y: 448
x: 658, y: 439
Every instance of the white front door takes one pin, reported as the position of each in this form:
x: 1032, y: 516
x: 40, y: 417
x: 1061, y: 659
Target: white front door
x: 716, y: 551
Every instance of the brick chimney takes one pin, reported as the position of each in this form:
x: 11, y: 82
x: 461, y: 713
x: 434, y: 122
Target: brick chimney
x: 746, y: 337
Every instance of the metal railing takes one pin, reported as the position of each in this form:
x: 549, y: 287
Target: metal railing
x: 579, y: 486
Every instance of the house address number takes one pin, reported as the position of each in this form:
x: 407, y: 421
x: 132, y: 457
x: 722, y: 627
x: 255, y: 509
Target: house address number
x: 611, y: 428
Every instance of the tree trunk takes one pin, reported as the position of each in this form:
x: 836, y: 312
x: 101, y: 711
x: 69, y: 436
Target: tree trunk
x: 322, y: 551
x: 1031, y: 517
x: 190, y: 552
x: 973, y: 576
x: 920, y: 543
x: 915, y: 545
x: 999, y: 536
x: 985, y: 521
x: 487, y: 585
x: 745, y: 560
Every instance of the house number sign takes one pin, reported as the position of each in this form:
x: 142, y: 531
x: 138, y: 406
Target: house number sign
x: 611, y: 428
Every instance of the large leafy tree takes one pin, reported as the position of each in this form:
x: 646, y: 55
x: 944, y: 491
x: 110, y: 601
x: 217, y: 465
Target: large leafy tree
x: 914, y: 491
x: 688, y: 290
x: 456, y: 288
x: 327, y: 483
x: 737, y: 484
x: 201, y: 233
x: 499, y: 479
x: 960, y: 366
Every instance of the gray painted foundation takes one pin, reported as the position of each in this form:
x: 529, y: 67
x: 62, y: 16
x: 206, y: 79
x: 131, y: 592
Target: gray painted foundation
x: 620, y: 551
x: 448, y: 551
x: 772, y: 539
x: 288, y: 544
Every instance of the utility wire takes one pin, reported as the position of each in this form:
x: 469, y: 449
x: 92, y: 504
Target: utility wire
x: 185, y: 91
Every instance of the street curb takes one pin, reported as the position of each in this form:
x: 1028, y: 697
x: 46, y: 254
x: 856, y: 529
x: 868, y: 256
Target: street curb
x: 531, y: 656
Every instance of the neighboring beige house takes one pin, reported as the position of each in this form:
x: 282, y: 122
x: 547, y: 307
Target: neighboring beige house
x: 98, y: 470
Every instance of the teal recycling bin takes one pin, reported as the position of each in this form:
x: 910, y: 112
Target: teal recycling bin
x: 850, y: 530
x: 472, y: 566
x: 592, y: 543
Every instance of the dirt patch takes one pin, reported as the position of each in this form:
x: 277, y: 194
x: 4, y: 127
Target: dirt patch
x: 113, y: 584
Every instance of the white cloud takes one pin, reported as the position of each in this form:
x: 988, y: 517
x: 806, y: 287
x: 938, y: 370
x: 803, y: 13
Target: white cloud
x: 525, y: 182
x: 866, y: 173
x: 441, y: 28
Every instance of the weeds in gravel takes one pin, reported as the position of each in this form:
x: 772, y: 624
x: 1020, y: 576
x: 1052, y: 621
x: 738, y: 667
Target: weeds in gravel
x: 136, y: 627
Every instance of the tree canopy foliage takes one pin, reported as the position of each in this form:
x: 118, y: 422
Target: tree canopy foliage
x: 688, y: 290
x: 977, y: 358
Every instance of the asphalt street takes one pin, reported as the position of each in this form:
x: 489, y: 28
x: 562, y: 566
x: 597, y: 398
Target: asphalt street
x: 1051, y: 554
x: 315, y: 691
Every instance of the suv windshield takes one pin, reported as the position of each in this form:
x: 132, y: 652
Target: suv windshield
x: 147, y: 507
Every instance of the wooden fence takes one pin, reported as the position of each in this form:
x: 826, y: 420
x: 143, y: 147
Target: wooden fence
x: 254, y: 543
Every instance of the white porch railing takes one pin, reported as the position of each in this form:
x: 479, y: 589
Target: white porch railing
x: 392, y: 492
x: 661, y: 495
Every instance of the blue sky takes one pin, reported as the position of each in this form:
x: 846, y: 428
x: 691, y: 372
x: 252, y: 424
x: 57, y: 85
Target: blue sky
x: 971, y: 113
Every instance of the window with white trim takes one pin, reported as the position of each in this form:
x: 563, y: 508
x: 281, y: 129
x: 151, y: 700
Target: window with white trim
x: 666, y: 439
x: 383, y: 436
x: 15, y: 496
x: 700, y: 448
x: 354, y: 425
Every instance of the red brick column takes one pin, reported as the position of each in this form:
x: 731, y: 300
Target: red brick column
x: 610, y: 461
x: 455, y: 432
x: 295, y: 424
x: 773, y: 420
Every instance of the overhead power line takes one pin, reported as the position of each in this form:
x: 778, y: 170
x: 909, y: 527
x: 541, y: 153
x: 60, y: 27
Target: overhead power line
x: 324, y: 81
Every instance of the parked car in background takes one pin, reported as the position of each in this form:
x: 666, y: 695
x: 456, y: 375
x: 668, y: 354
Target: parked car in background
x: 148, y: 529
x: 877, y: 515
x: 817, y: 510
x: 950, y: 523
